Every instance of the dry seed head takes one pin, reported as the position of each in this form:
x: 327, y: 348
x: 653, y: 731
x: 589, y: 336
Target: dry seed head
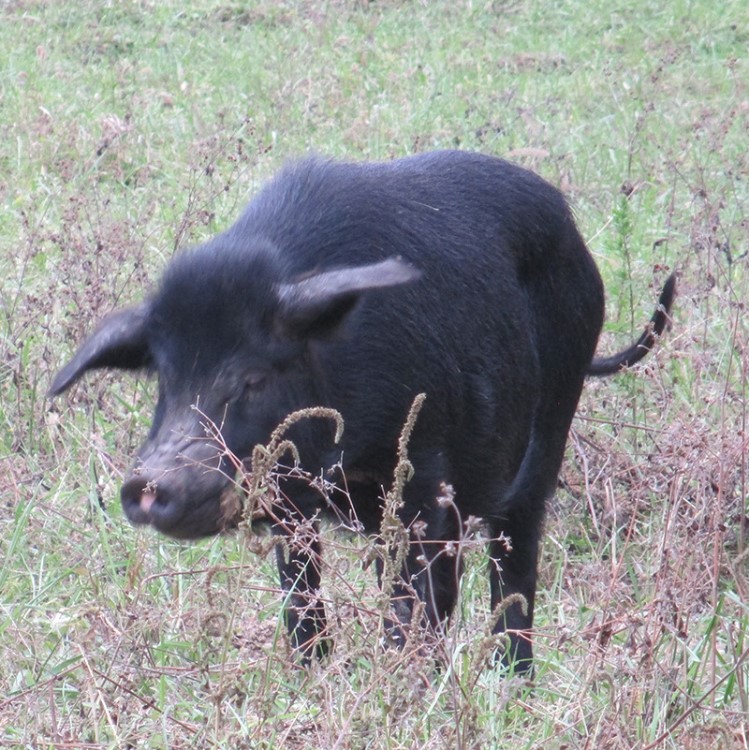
x: 446, y: 498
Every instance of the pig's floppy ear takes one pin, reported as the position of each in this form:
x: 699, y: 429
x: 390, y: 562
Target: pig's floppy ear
x: 316, y: 305
x: 119, y: 341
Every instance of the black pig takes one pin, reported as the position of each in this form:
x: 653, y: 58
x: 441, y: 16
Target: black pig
x: 357, y: 287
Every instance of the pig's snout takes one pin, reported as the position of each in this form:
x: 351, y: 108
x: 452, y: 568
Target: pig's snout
x: 148, y: 501
x: 183, y: 502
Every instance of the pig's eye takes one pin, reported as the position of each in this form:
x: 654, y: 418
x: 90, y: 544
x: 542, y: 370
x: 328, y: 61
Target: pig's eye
x: 254, y: 382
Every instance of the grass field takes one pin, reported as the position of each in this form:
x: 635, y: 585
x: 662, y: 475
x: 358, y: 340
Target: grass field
x: 130, y: 129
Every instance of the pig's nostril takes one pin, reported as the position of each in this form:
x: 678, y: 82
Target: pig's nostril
x: 147, y: 499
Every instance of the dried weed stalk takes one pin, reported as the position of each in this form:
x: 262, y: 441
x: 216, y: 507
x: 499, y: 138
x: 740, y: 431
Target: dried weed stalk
x: 394, y: 537
x: 260, y: 487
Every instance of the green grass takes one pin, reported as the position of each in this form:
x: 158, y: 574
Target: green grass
x: 129, y: 129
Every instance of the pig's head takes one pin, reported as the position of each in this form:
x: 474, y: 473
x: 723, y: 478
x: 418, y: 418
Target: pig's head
x: 228, y: 336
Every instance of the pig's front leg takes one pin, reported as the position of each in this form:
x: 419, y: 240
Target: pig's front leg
x: 298, y: 559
